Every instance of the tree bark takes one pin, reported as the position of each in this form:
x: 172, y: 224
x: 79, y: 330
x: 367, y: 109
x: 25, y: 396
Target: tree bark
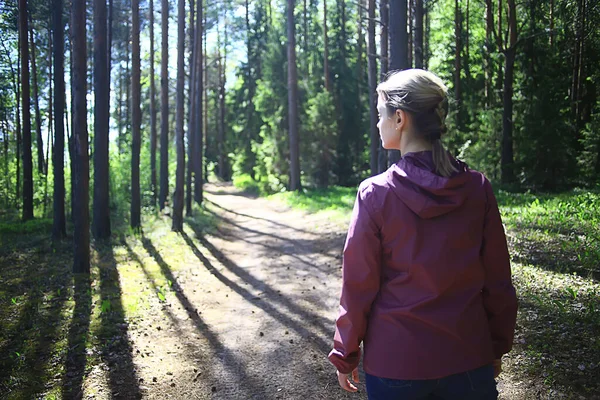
x: 198, y: 106
x: 418, y: 33
x: 164, y: 107
x: 191, y: 116
x: 81, y: 218
x: 25, y: 101
x: 177, y: 225
x: 293, y: 99
x: 136, y: 116
x: 58, y: 220
x: 101, y: 227
x: 36, y: 106
x: 153, y: 135
x: 384, y: 14
x: 398, y: 48
x: 372, y: 65
x: 409, y: 22
x: 325, y: 49
x: 489, y: 28
x: 506, y: 163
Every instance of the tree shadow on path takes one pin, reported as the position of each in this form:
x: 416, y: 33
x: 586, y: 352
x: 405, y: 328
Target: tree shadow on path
x: 116, y: 351
x: 78, y: 335
x: 308, y: 319
x: 231, y: 362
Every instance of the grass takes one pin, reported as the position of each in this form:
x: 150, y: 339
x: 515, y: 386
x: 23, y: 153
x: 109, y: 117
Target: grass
x: 56, y: 325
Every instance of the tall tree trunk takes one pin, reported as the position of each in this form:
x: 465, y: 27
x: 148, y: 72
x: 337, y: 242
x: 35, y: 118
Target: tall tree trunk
x: 177, y: 225
x: 25, y: 98
x: 361, y: 39
x: 325, y: 49
x: 398, y: 47
x: 489, y: 28
x: 136, y: 116
x: 81, y: 218
x: 467, y: 61
x: 577, y: 66
x: 458, y: 64
x: 191, y: 116
x: 293, y: 99
x: 6, y: 181
x: 101, y: 228
x: 17, y: 88
x: 109, y: 35
x: 198, y: 106
x: 50, y: 98
x: 506, y: 162
x: 36, y: 105
x: 500, y: 46
x: 418, y: 33
x: 164, y: 106
x: 372, y: 62
x: 410, y: 33
x: 153, y: 136
x: 384, y: 15
x: 205, y: 93
x: 58, y: 153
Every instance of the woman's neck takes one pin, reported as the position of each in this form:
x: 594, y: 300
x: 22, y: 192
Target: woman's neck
x: 410, y: 144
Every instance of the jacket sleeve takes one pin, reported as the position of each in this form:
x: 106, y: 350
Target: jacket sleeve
x: 499, y: 297
x: 360, y: 283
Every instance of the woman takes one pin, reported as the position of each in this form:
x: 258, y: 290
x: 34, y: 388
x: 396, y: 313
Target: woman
x: 426, y: 271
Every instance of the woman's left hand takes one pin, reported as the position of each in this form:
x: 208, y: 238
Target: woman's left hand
x: 345, y: 382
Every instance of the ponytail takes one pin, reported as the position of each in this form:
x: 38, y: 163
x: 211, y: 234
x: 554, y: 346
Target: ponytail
x: 441, y: 160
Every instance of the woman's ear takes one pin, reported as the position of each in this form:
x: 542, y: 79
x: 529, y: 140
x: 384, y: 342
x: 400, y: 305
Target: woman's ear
x: 400, y: 117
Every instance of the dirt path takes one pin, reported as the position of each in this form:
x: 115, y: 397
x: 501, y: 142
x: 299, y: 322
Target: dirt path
x: 250, y: 316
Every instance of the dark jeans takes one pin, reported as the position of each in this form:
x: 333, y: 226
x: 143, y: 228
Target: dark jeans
x: 478, y: 384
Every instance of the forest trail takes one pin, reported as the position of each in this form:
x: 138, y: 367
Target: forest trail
x: 250, y: 313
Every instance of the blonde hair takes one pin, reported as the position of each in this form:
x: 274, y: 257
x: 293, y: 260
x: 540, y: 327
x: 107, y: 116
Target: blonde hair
x: 425, y: 97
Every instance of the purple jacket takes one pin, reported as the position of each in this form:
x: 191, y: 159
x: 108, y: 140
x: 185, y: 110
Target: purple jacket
x: 426, y: 275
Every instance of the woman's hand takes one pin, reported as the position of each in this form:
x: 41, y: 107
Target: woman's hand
x: 497, y: 364
x: 345, y: 382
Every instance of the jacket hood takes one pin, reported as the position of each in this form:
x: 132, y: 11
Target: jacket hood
x: 414, y: 181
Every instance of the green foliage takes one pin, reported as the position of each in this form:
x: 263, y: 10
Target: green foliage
x: 319, y: 140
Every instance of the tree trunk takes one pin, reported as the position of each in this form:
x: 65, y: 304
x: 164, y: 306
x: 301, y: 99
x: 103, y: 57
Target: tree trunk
x: 506, y: 163
x: 372, y: 61
x: 164, y: 107
x: 177, y: 225
x: 136, y: 116
x: 198, y: 106
x: 458, y: 64
x: 398, y: 47
x: 500, y: 47
x: 205, y: 94
x: 418, y: 33
x: 293, y: 99
x: 489, y: 28
x: 153, y: 136
x: 359, y: 60
x: 551, y: 23
x: 384, y: 14
x: 109, y: 35
x: 325, y: 49
x: 58, y: 220
x: 101, y: 228
x: 81, y: 218
x: 409, y: 22
x: 36, y: 105
x: 191, y: 116
x: 50, y: 98
x: 25, y: 98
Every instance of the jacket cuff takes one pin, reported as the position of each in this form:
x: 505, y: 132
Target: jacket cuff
x: 344, y: 365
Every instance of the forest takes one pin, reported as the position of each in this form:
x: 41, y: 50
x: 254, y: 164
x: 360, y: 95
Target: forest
x: 128, y: 129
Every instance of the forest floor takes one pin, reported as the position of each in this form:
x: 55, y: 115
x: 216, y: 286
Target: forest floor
x: 239, y: 306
